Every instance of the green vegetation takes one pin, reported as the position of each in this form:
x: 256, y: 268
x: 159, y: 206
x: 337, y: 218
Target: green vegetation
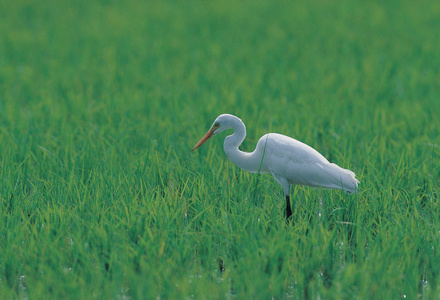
x: 101, y: 103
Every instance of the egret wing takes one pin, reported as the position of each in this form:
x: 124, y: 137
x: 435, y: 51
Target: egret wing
x: 302, y: 165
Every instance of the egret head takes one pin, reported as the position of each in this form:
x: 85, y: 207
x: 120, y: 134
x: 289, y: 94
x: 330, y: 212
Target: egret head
x: 222, y: 122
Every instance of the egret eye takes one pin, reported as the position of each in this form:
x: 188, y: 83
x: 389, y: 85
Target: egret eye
x: 216, y: 125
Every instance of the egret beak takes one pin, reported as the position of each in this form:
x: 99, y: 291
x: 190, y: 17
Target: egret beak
x: 204, y: 139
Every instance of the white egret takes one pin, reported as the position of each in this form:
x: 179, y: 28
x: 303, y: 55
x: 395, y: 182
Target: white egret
x: 288, y: 160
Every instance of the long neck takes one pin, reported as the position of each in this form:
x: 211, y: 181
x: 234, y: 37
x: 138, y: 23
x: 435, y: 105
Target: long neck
x: 244, y: 160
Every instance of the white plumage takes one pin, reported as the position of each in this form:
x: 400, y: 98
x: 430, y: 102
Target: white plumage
x: 288, y: 160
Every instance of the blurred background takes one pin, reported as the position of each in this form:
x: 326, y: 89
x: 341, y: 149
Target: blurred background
x: 169, y: 68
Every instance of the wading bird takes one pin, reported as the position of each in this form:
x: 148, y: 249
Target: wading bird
x: 288, y: 160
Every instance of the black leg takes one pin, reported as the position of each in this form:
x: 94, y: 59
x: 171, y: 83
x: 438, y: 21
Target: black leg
x: 288, y: 208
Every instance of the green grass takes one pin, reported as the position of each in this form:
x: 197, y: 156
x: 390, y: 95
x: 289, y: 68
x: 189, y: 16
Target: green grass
x: 101, y: 103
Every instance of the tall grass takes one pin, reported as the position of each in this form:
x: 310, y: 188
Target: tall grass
x: 102, y: 101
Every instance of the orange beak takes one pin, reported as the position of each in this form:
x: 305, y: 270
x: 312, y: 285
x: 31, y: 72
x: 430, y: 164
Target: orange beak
x: 204, y: 139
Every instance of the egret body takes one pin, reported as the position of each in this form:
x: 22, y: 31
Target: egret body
x: 288, y: 160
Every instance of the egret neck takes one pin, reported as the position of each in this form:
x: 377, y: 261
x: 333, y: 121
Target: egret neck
x: 247, y: 161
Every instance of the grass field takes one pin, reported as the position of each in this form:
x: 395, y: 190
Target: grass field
x: 101, y: 103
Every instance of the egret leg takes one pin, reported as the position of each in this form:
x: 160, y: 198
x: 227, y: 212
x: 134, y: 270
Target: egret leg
x: 288, y: 208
